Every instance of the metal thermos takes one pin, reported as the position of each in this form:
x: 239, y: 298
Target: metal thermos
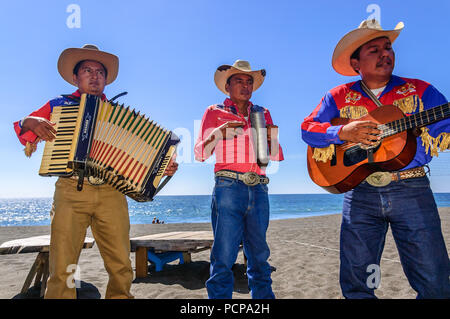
x: 259, y: 136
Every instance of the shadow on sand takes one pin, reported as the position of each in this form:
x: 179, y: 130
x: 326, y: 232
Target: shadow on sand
x: 86, y: 291
x: 192, y: 276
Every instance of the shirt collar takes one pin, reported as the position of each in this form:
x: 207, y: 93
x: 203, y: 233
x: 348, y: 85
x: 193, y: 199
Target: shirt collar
x: 78, y: 94
x: 230, y: 104
x: 393, y: 82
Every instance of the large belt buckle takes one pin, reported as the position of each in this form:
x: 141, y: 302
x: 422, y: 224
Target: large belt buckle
x: 379, y: 179
x: 250, y: 179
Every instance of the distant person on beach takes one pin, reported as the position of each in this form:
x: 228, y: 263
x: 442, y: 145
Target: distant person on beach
x: 400, y: 198
x: 240, y: 203
x: 98, y: 205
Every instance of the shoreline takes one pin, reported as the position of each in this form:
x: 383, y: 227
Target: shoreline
x: 304, y: 251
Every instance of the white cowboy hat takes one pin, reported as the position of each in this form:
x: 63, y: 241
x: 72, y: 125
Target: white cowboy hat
x: 223, y: 72
x: 367, y: 31
x: 70, y: 57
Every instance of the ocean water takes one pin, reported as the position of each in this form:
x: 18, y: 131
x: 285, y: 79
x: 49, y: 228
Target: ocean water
x: 183, y: 209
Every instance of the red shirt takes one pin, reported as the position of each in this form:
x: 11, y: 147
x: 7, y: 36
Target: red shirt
x: 233, y: 154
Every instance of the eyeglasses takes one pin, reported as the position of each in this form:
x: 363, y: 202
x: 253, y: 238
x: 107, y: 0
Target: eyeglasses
x: 242, y: 81
x: 90, y: 72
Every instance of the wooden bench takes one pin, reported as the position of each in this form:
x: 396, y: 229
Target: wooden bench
x: 40, y: 268
x: 187, y: 242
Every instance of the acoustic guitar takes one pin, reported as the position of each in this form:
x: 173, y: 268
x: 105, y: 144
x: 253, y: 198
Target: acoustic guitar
x: 352, y: 163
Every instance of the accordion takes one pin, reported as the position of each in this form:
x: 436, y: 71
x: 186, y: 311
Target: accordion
x: 105, y: 140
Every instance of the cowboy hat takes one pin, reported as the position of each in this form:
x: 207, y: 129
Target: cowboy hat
x: 223, y: 72
x: 367, y: 31
x: 70, y: 57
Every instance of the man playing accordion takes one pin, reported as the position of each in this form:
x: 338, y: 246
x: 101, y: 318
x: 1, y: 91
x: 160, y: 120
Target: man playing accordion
x: 98, y: 205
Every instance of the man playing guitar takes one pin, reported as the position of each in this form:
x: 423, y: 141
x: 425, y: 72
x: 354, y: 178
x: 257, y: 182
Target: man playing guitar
x: 401, y: 198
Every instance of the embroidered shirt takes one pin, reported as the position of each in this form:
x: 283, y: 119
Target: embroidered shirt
x: 350, y: 101
x: 45, y: 112
x: 234, y: 154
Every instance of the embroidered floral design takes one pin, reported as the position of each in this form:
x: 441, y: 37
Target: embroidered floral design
x: 352, y: 97
x: 406, y: 89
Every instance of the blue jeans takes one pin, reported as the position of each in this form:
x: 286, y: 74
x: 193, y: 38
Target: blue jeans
x: 408, y: 206
x: 239, y: 213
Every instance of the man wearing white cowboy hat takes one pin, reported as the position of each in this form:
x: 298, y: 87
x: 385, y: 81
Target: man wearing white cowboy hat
x: 101, y: 207
x: 405, y: 201
x: 240, y: 204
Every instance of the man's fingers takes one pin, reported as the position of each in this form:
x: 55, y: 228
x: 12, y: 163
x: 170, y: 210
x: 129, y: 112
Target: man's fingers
x: 171, y: 169
x: 234, y: 124
x: 45, y: 133
x: 49, y: 126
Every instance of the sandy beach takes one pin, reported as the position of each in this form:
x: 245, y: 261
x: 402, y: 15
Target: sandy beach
x: 304, y: 251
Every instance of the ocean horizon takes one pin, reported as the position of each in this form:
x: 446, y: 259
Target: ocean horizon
x: 183, y: 208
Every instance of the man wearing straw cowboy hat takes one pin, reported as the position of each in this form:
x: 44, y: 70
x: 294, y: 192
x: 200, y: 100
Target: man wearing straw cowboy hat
x: 240, y: 204
x: 97, y: 205
x: 403, y: 199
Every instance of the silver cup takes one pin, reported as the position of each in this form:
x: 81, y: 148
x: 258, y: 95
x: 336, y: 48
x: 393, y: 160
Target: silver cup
x: 259, y: 137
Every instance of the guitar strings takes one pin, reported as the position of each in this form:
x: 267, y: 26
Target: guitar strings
x: 393, y: 128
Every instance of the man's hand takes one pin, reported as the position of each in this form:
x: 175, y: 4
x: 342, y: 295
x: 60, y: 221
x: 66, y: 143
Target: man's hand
x: 40, y: 126
x: 272, y: 132
x: 172, y: 167
x: 364, y: 132
x: 272, y: 135
x: 229, y: 130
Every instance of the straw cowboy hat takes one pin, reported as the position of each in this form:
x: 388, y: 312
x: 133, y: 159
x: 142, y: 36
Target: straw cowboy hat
x: 223, y: 72
x: 367, y: 31
x: 70, y: 57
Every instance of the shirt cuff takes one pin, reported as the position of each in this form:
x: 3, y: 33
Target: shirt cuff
x: 332, y: 134
x: 28, y: 136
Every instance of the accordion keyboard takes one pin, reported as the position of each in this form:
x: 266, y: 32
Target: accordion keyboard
x: 56, y: 154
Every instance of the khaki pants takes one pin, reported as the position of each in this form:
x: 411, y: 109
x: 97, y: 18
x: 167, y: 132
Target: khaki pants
x: 106, y: 211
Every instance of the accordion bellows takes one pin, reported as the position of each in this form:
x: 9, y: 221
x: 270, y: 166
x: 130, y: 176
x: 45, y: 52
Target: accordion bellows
x: 111, y: 142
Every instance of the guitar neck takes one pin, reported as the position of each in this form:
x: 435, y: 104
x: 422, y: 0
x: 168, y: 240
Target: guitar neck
x: 420, y: 119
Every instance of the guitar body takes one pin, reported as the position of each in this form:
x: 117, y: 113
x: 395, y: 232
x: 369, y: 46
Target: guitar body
x: 350, y: 164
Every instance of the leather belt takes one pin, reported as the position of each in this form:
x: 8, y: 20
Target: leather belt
x: 380, y: 179
x: 249, y: 178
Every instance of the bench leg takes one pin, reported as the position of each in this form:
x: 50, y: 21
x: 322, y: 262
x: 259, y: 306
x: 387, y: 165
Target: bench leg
x: 187, y: 258
x: 141, y: 262
x: 45, y: 274
x: 39, y: 271
x: 31, y: 274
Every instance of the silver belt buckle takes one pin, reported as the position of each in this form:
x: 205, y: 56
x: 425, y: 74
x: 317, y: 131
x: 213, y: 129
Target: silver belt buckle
x: 379, y: 179
x: 250, y: 179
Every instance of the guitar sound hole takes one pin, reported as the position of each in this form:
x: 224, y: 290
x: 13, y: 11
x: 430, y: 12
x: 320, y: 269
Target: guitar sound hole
x: 356, y: 154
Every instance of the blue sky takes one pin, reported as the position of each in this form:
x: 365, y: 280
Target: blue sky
x: 168, y: 53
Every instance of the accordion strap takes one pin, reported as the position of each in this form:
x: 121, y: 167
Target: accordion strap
x: 162, y: 184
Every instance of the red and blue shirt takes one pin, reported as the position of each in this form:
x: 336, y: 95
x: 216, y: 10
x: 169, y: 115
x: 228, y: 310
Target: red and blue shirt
x: 350, y: 101
x: 45, y: 112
